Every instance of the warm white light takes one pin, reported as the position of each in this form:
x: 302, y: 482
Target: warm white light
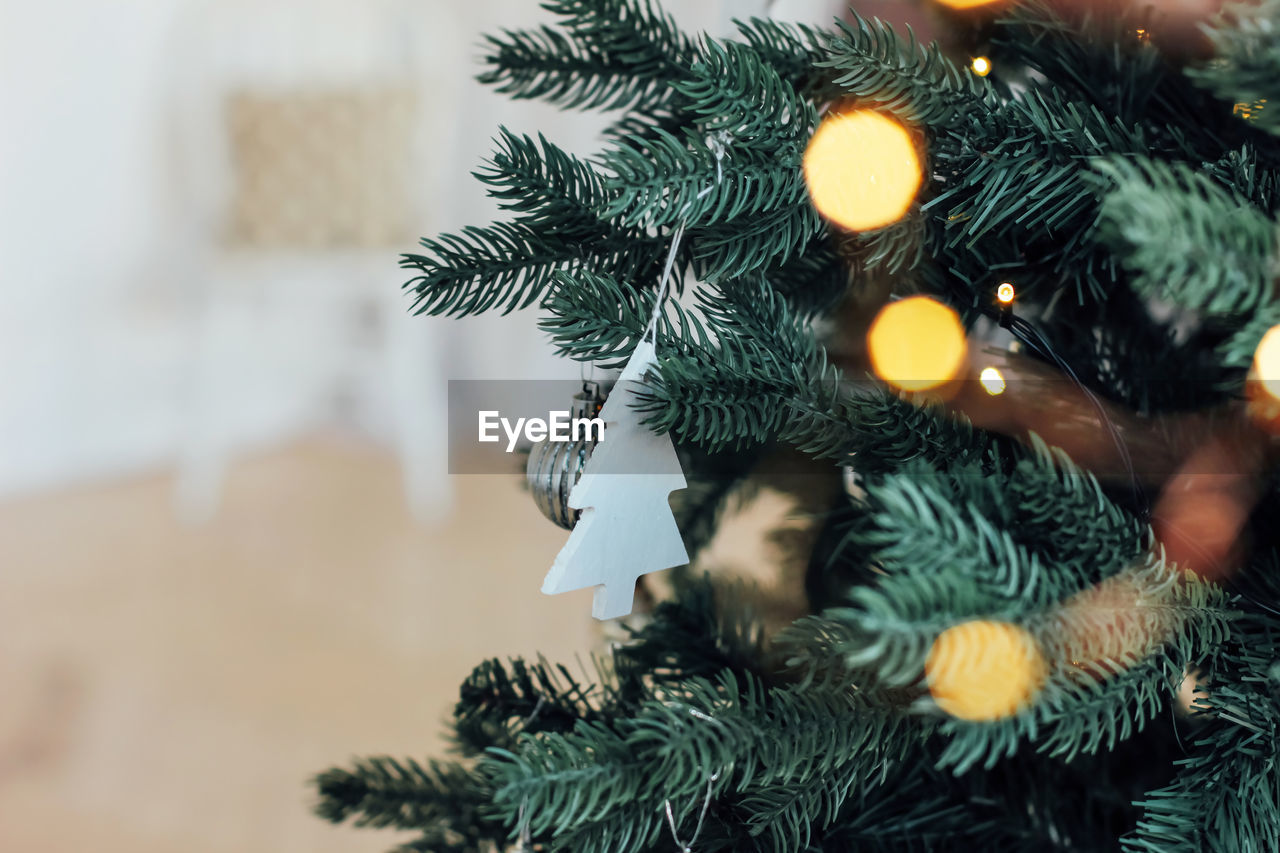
x: 862, y: 169
x: 916, y: 344
x: 981, y: 66
x: 1005, y: 293
x: 992, y: 380
x: 1266, y: 362
x: 983, y: 671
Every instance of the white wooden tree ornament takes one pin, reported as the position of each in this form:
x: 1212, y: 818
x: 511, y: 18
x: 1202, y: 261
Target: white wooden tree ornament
x: 626, y: 529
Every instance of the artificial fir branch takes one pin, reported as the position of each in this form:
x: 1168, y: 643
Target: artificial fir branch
x: 733, y: 90
x: 812, y: 282
x: 509, y: 265
x: 1225, y: 796
x: 869, y: 62
x: 792, y: 50
x: 823, y: 739
x: 1061, y: 512
x: 1246, y: 64
x: 1238, y: 348
x: 1188, y: 239
x: 733, y: 737
x: 612, y: 54
x: 665, y: 180
x: 732, y: 250
x: 548, y: 188
x: 497, y: 702
x: 382, y: 792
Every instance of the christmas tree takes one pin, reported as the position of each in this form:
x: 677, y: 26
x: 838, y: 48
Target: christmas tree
x: 1044, y: 609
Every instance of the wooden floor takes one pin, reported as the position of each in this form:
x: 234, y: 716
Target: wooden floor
x: 170, y: 688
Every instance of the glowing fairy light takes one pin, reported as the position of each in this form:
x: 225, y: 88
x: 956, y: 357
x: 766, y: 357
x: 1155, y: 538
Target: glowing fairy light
x: 1266, y: 362
x: 916, y: 344
x: 981, y: 66
x: 992, y: 381
x: 1005, y: 293
x: 984, y: 670
x: 967, y: 4
x: 862, y: 169
x: 1247, y: 111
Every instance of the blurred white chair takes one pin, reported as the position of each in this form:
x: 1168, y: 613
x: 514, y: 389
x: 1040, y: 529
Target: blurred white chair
x: 298, y: 128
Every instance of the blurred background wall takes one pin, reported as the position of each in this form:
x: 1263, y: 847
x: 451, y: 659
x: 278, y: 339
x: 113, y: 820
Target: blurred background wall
x: 110, y: 220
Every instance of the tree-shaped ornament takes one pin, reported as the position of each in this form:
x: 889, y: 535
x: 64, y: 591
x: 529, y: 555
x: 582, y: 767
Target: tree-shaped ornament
x: 627, y: 528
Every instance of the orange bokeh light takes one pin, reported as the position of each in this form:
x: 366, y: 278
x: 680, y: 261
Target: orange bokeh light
x: 862, y: 169
x: 992, y: 381
x: 916, y: 344
x: 983, y: 670
x: 1266, y: 362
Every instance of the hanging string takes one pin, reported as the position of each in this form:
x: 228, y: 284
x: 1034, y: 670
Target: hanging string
x: 651, y: 332
x: 702, y: 816
x: 526, y: 834
x: 718, y: 143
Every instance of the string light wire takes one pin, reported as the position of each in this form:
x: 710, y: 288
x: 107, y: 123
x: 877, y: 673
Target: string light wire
x: 1031, y: 337
x: 702, y: 816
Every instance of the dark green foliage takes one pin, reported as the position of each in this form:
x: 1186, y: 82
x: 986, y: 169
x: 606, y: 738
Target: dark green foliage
x: 1225, y: 796
x: 1137, y: 218
x: 701, y: 635
x: 545, y: 186
x: 508, y: 265
x: 701, y: 148
x: 1188, y: 239
x: 1060, y: 511
x: 497, y: 702
x: 953, y: 546
x: 1024, y: 200
x: 1116, y: 72
x: 734, y: 91
x: 847, y: 421
x: 1245, y: 68
x: 732, y: 249
x: 812, y: 282
x: 612, y: 54
x: 1237, y: 350
x: 917, y: 83
x: 667, y: 180
x: 445, y: 802
x: 792, y: 50
x: 732, y: 738
x: 596, y: 318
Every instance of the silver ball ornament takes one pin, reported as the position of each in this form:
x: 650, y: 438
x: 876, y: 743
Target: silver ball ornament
x: 554, y: 467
